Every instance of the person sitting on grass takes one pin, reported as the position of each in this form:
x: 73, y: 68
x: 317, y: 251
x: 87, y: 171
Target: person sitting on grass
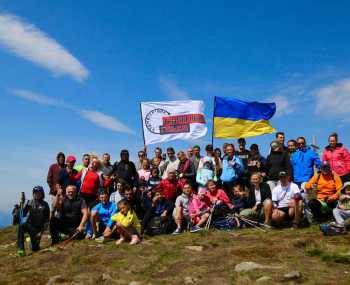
x: 37, y: 213
x: 73, y: 214
x: 259, y: 200
x: 287, y: 201
x: 126, y: 224
x: 221, y: 205
x: 327, y: 186
x: 154, y: 179
x: 181, y: 213
x: 342, y: 212
x: 199, y: 209
x: 239, y: 200
x: 157, y: 219
x: 101, y: 214
x: 119, y: 192
x: 134, y: 200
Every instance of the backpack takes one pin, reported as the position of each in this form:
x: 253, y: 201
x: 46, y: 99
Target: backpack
x: 332, y: 230
x: 226, y: 223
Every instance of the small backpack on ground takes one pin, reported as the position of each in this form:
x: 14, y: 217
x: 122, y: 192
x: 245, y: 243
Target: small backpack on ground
x: 332, y: 230
x: 226, y: 223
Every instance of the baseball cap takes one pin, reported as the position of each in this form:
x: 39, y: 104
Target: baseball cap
x: 71, y: 158
x: 346, y: 184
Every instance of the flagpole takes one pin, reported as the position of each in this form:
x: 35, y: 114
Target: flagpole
x: 143, y: 132
x: 212, y: 128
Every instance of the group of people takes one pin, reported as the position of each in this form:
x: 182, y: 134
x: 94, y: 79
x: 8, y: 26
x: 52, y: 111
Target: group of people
x: 189, y: 191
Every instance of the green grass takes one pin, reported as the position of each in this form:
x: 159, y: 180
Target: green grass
x: 165, y: 259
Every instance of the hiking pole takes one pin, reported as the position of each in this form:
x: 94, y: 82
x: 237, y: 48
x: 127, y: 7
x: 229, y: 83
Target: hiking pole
x: 21, y: 208
x: 64, y: 243
x: 251, y: 223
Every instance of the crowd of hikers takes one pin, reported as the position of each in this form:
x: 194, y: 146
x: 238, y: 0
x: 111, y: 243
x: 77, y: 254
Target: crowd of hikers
x: 170, y: 193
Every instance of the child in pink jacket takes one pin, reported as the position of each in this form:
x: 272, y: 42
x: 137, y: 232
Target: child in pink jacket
x: 199, y: 210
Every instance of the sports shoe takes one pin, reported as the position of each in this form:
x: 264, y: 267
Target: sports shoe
x: 119, y: 241
x: 177, y: 231
x: 135, y: 240
x: 195, y: 229
x: 100, y: 239
x: 21, y: 252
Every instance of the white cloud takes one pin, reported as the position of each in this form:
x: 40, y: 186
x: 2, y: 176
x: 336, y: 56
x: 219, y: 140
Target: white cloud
x: 283, y: 105
x: 97, y: 118
x: 333, y: 100
x: 27, y: 41
x: 37, y: 98
x: 172, y: 90
x: 105, y: 121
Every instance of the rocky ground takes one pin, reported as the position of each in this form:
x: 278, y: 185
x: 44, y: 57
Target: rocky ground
x: 215, y: 257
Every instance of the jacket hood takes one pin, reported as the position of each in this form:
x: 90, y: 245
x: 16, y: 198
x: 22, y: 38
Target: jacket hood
x: 328, y: 147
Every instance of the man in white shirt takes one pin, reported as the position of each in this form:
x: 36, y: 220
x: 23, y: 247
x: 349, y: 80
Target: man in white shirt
x: 287, y: 201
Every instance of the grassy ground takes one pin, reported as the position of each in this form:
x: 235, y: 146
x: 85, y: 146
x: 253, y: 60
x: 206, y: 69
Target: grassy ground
x: 166, y: 260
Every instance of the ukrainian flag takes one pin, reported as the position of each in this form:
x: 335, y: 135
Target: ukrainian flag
x: 238, y: 119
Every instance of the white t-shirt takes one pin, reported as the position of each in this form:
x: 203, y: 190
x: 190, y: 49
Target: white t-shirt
x: 172, y: 165
x: 281, y: 195
x: 257, y: 197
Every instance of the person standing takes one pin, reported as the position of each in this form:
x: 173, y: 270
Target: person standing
x: 54, y: 170
x: 107, y: 167
x: 231, y: 169
x: 125, y: 169
x: 280, y: 137
x: 171, y: 164
x: 196, y: 156
x: 186, y: 170
x: 85, y: 163
x: 303, y: 160
x: 65, y: 175
x: 256, y: 162
x: 277, y: 161
x: 338, y: 157
x: 292, y: 146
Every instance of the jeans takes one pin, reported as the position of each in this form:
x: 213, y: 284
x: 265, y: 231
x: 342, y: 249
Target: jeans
x: 341, y: 215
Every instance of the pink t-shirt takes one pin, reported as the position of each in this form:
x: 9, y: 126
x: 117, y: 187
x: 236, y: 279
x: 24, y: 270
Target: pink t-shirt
x: 144, y: 173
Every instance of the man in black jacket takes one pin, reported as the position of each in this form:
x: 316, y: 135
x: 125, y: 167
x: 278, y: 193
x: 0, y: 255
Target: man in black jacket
x: 36, y: 213
x: 259, y: 199
x: 278, y: 160
x: 125, y: 169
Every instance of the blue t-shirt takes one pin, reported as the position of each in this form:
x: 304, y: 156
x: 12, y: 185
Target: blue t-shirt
x: 105, y: 211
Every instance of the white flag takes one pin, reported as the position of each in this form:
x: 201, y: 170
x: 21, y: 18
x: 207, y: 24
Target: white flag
x: 171, y: 120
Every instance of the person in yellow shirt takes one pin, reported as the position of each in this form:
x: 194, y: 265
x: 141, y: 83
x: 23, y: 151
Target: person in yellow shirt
x: 328, y: 186
x: 127, y: 224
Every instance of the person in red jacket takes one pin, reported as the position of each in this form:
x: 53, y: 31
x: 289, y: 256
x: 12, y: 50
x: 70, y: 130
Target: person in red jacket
x: 52, y: 175
x: 338, y: 157
x: 91, y: 181
x: 169, y: 186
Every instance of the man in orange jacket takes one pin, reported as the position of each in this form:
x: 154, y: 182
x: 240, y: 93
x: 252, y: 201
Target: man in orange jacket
x: 328, y: 186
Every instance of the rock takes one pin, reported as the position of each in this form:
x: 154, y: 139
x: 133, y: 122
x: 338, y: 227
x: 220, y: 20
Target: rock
x: 292, y: 275
x: 263, y: 279
x: 189, y: 280
x: 135, y: 283
x: 106, y: 276
x: 248, y: 266
x: 54, y: 279
x: 195, y: 247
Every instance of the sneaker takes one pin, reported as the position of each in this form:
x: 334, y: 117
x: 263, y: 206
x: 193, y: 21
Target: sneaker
x: 177, y: 231
x: 135, y: 240
x: 100, y: 239
x: 21, y: 253
x: 335, y: 224
x: 119, y: 241
x: 195, y: 229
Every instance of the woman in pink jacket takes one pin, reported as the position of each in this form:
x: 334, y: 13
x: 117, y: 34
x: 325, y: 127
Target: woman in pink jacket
x: 338, y: 157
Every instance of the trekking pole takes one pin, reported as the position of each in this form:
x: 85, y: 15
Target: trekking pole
x: 207, y: 226
x: 21, y: 208
x: 251, y: 223
x: 64, y: 243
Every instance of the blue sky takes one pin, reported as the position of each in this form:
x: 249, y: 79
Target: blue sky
x: 72, y: 73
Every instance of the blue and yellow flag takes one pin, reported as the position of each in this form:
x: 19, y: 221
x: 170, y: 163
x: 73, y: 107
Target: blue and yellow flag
x: 238, y: 119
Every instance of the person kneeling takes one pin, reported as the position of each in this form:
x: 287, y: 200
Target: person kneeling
x: 101, y: 214
x: 181, y: 213
x: 287, y: 201
x: 37, y: 213
x: 73, y: 215
x: 126, y: 224
x: 342, y: 212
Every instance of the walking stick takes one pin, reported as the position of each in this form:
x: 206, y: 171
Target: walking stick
x: 64, y: 243
x: 250, y: 222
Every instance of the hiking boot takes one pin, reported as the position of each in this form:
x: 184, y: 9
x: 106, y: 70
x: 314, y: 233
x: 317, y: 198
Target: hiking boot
x: 21, y: 253
x: 177, y: 231
x: 195, y: 229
